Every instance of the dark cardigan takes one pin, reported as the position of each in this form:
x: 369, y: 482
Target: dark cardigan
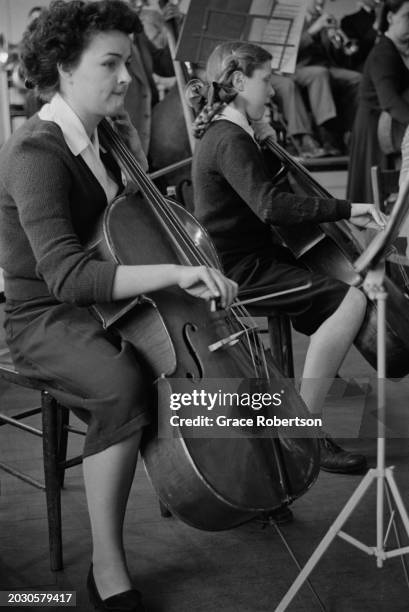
x: 236, y: 198
x: 50, y: 203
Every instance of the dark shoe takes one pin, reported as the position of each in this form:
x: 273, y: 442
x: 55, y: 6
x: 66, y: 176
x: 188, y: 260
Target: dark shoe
x: 330, y: 143
x: 337, y: 460
x: 307, y: 147
x: 128, y: 601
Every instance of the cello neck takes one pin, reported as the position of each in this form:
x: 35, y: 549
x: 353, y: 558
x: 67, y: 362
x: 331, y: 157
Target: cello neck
x: 182, y: 77
x: 297, y: 168
x: 171, y: 225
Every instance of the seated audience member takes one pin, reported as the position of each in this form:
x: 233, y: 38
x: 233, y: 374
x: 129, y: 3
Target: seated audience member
x: 384, y: 82
x: 361, y: 27
x: 292, y: 105
x: 154, y: 21
x: 325, y: 82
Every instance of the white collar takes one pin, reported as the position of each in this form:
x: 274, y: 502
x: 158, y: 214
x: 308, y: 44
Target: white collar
x: 235, y: 116
x: 59, y: 111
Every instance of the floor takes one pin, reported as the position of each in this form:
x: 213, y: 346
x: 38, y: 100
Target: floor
x: 246, y: 569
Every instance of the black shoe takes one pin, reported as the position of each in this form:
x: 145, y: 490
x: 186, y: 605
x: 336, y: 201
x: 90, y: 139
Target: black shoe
x: 128, y: 601
x: 330, y: 142
x: 308, y: 147
x: 337, y: 460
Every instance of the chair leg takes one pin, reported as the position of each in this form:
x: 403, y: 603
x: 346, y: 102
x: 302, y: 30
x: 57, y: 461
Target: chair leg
x: 279, y: 329
x: 52, y: 478
x: 63, y: 422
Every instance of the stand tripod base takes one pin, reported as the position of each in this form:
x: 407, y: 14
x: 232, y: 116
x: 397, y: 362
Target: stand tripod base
x: 383, y: 477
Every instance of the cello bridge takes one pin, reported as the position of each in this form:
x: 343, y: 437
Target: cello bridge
x: 228, y: 341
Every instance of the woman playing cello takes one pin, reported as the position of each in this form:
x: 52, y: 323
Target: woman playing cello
x: 238, y: 201
x: 54, y: 184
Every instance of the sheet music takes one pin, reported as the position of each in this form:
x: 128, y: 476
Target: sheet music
x: 275, y: 25
x: 280, y: 34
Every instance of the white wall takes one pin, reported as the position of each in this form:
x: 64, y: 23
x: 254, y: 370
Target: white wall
x: 13, y: 17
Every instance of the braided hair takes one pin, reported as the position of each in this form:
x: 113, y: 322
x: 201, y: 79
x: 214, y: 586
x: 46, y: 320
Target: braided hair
x: 224, y: 61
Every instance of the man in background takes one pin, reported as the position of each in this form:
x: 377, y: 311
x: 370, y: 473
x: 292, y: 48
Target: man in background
x: 361, y: 26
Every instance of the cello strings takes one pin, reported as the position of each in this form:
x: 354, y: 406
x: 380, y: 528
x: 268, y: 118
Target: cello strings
x: 127, y: 160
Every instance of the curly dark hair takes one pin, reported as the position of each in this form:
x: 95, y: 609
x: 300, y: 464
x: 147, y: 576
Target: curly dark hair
x: 62, y: 32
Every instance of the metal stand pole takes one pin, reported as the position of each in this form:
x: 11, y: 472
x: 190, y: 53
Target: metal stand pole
x: 383, y: 476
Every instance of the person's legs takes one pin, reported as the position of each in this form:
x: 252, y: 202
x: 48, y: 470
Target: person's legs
x: 108, y: 477
x: 298, y: 121
x: 317, y: 81
x: 99, y: 375
x: 292, y: 105
x: 330, y: 312
x: 328, y: 347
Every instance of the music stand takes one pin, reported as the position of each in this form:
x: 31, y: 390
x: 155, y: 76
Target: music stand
x: 372, y: 264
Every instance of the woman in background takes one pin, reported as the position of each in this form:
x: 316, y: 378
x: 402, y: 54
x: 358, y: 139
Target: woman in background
x: 384, y: 82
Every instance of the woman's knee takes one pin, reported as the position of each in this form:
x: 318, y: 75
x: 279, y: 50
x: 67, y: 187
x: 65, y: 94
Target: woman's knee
x: 311, y: 74
x: 356, y: 300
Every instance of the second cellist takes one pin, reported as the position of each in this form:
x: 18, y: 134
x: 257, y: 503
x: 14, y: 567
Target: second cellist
x: 238, y: 201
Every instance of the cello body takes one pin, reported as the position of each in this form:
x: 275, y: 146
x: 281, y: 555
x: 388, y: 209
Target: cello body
x: 209, y: 482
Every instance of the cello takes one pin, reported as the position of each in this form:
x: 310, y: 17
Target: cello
x: 331, y: 249
x: 172, y: 142
x: 209, y: 482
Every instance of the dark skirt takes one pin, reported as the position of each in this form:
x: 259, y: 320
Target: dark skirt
x: 88, y: 368
x: 365, y: 153
x: 263, y: 273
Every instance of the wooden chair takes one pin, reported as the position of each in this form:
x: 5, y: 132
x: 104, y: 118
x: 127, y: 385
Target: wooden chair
x: 54, y: 434
x: 385, y: 187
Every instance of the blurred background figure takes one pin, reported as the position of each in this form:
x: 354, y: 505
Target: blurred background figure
x: 361, y: 27
x: 143, y: 94
x: 325, y: 80
x: 298, y: 121
x: 384, y: 84
x: 154, y: 21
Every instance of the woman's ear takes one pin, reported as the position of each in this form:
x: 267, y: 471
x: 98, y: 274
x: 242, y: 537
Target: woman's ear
x: 238, y: 80
x: 64, y: 73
